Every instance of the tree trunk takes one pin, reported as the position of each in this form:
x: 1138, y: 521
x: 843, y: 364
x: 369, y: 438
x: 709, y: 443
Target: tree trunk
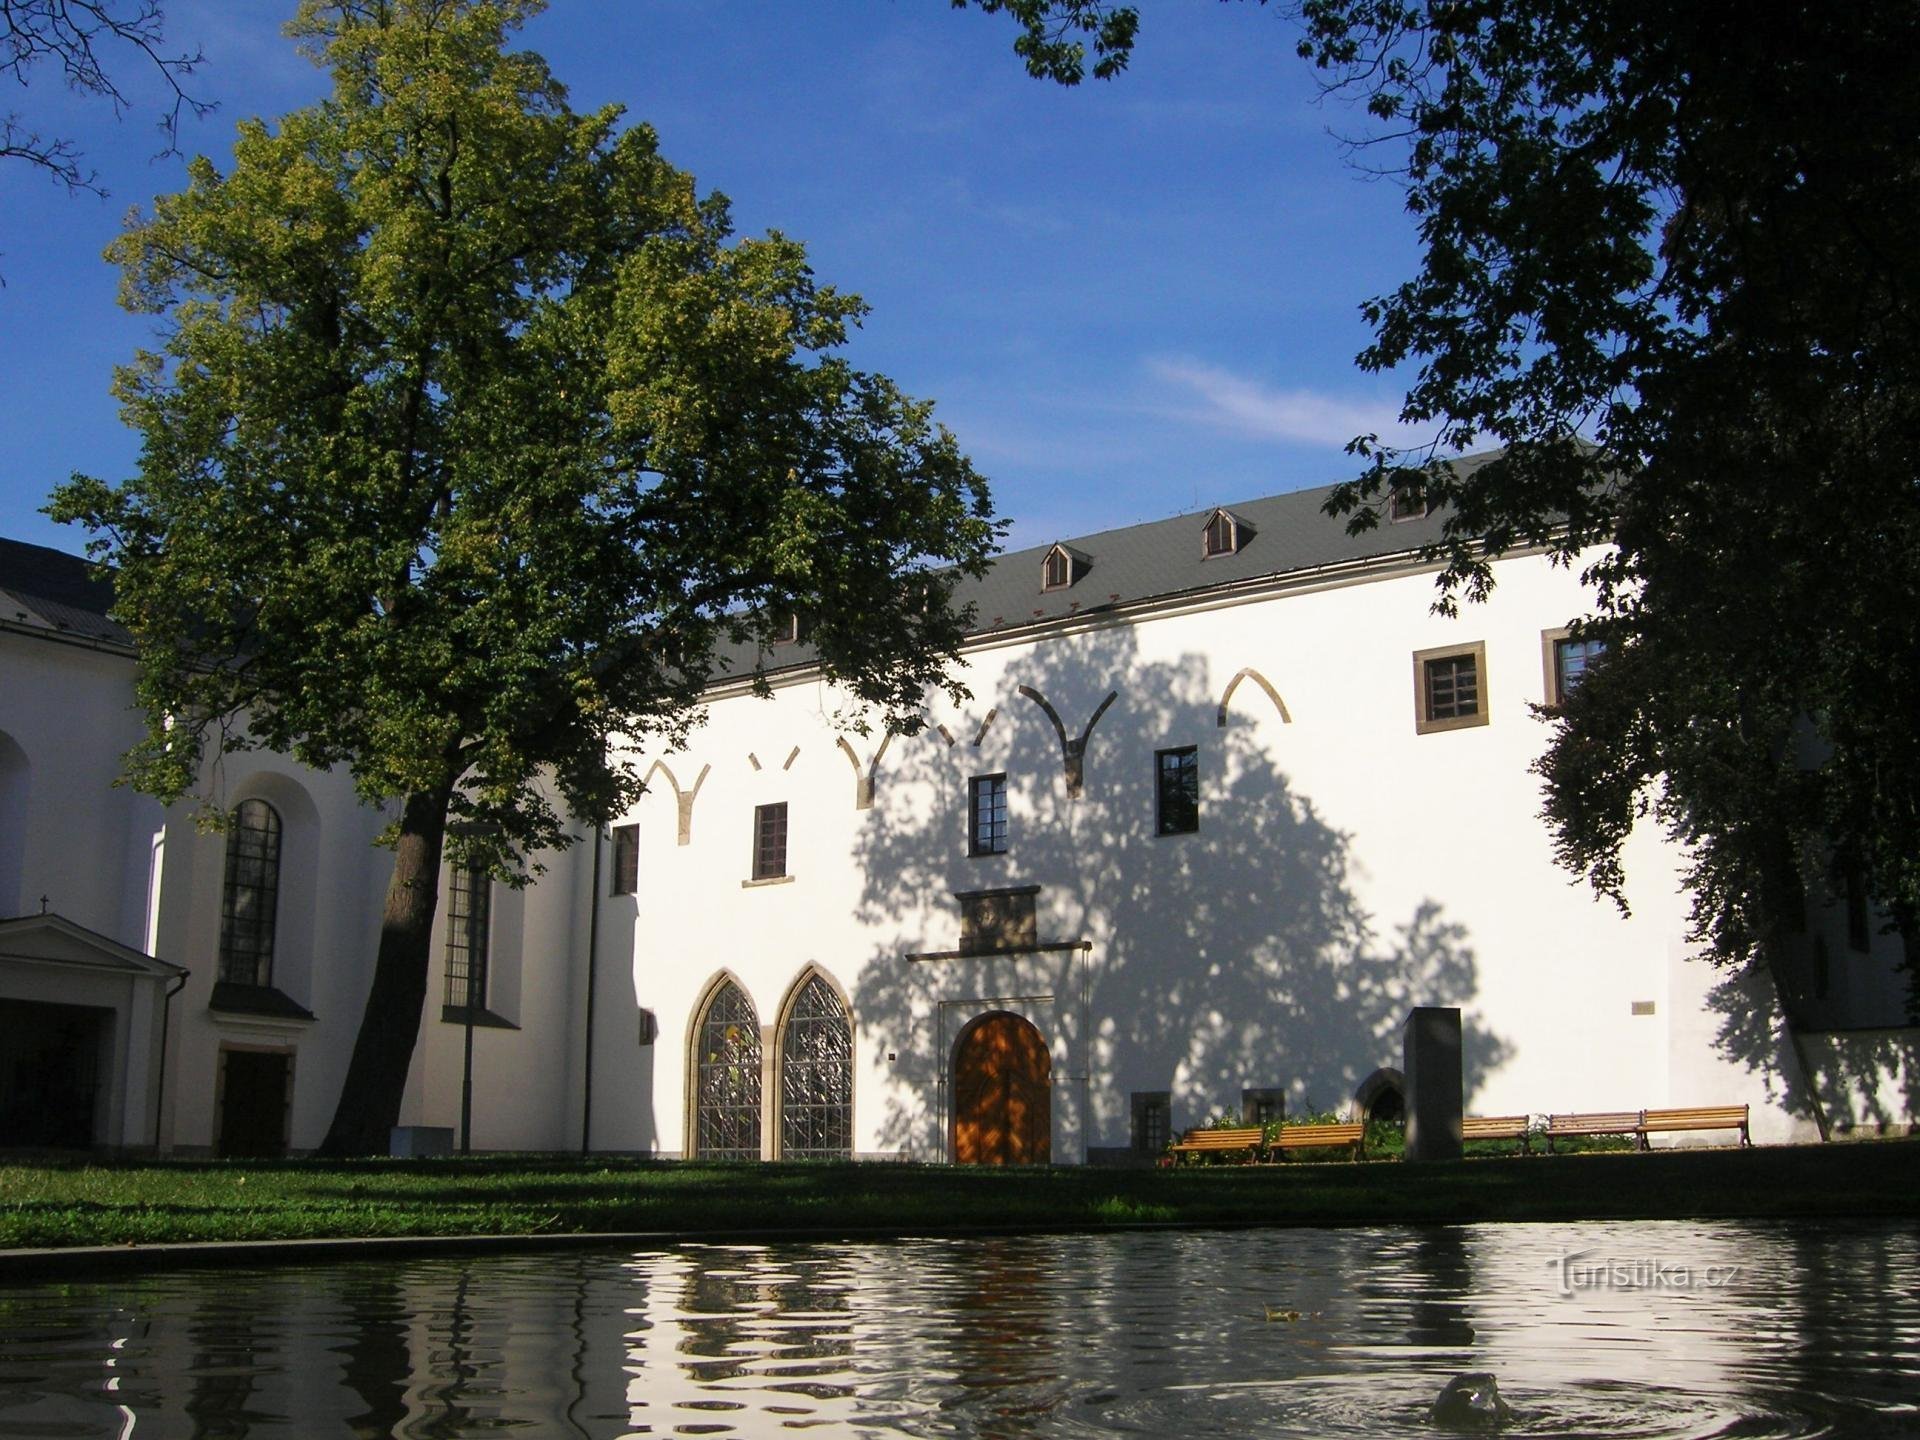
x: 369, y: 1105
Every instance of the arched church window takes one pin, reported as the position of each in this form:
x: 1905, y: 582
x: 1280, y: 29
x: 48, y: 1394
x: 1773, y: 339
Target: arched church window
x: 816, y: 1077
x: 727, y: 1078
x: 251, y: 894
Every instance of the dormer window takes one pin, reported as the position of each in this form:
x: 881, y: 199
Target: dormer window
x: 786, y: 629
x: 1408, y: 501
x: 1062, y: 567
x: 1226, y: 532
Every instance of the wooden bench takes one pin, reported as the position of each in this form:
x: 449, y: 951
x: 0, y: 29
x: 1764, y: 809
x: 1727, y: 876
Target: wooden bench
x: 1498, y: 1127
x: 1219, y: 1142
x: 1697, y: 1117
x: 1603, y: 1122
x: 1317, y: 1137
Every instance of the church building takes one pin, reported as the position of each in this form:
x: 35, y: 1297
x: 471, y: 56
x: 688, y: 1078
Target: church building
x: 1228, y: 800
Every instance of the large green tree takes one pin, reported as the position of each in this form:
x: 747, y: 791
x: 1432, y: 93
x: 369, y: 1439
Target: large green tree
x: 473, y: 438
x: 1672, y: 266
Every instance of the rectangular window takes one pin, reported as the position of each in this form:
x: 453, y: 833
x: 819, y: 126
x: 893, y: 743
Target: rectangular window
x: 1152, y: 1122
x: 1450, y: 687
x: 987, y: 815
x: 1262, y: 1106
x: 468, y: 892
x: 626, y: 859
x: 1570, y: 661
x: 1177, y: 790
x: 1407, y: 501
x: 770, y: 841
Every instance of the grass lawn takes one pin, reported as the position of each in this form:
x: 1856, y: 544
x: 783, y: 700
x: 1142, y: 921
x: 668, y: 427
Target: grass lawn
x: 64, y: 1204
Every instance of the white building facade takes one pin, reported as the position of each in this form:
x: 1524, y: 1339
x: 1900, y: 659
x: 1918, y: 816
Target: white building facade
x: 1227, y: 801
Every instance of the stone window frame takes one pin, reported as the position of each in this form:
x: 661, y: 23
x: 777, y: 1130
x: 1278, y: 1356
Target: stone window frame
x: 770, y: 834
x: 626, y: 860
x: 1550, y: 666
x: 1424, y: 722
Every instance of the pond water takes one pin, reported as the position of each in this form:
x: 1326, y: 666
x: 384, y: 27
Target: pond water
x: 1621, y: 1330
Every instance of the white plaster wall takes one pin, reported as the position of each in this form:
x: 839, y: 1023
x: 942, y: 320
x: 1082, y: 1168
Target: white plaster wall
x: 68, y: 709
x: 1346, y: 868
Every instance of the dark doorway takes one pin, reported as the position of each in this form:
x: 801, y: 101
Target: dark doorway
x: 1002, y: 1094
x: 1389, y: 1107
x: 52, y: 1058
x: 253, y: 1107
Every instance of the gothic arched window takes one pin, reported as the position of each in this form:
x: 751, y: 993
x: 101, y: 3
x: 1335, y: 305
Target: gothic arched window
x: 727, y: 1078
x: 816, y: 1077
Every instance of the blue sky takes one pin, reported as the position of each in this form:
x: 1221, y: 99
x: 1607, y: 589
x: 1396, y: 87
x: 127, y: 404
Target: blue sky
x: 1129, y: 300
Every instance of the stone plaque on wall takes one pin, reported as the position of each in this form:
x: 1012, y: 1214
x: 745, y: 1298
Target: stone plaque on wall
x: 992, y: 920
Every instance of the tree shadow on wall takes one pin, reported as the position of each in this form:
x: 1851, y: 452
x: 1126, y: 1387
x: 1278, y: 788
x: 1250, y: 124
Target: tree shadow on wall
x: 1843, y: 1073
x: 1238, y: 956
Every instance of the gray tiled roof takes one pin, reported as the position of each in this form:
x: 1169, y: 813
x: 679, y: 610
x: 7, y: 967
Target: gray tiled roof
x: 1163, y: 559
x: 52, y: 590
x: 1135, y: 564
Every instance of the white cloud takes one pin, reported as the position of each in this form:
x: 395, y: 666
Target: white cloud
x: 1219, y: 399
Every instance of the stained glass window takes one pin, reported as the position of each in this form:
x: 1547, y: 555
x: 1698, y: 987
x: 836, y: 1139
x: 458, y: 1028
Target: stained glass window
x: 816, y: 1077
x: 727, y: 1078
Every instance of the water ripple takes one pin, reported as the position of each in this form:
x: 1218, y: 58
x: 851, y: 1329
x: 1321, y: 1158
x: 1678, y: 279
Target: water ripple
x: 1616, y: 1330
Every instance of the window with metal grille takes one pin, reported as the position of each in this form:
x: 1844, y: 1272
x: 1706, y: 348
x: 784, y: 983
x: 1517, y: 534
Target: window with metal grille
x: 626, y: 859
x: 1177, y: 790
x: 727, y: 1078
x: 1152, y: 1122
x: 1450, y: 687
x: 1570, y: 661
x: 251, y: 894
x: 816, y: 1077
x: 770, y: 841
x: 469, y: 892
x: 1453, y: 687
x: 987, y: 815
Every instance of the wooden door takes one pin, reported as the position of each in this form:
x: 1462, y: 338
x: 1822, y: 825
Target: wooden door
x: 1002, y: 1094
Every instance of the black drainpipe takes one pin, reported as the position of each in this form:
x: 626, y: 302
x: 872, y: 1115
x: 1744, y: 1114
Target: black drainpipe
x: 160, y: 1091
x: 593, y: 959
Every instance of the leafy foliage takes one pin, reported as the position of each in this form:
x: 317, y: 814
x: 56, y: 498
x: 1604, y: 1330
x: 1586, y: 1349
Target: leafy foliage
x: 1671, y: 260
x: 475, y: 439
x: 1048, y: 31
x: 1670, y: 266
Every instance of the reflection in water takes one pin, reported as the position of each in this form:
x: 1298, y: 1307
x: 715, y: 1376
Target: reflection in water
x: 1613, y: 1329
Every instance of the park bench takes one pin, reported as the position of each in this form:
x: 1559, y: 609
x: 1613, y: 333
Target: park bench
x: 1317, y: 1137
x: 1603, y: 1122
x: 1697, y: 1117
x: 1196, y: 1143
x: 1497, y: 1127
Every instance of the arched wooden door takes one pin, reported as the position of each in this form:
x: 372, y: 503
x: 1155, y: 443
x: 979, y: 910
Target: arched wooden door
x: 1002, y: 1094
